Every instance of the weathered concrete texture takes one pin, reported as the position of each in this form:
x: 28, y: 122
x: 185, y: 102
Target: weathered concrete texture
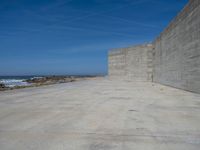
x: 133, y: 63
x: 176, y: 54
x: 177, y: 51
x: 117, y: 63
x: 100, y: 115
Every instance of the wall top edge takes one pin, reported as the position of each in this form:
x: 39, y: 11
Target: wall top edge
x: 189, y: 7
x: 119, y: 50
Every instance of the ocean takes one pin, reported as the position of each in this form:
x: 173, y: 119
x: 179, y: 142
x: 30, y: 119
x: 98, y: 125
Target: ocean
x: 12, y: 81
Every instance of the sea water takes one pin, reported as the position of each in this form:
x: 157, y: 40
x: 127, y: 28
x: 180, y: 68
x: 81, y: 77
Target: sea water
x: 12, y: 81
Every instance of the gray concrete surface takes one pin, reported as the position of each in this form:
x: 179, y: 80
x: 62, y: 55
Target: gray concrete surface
x: 117, y: 63
x: 176, y: 54
x: 100, y: 114
x: 177, y: 51
x: 132, y: 63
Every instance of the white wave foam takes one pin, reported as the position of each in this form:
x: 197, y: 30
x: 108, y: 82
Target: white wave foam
x: 14, y: 82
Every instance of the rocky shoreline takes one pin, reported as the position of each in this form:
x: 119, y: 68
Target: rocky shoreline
x: 2, y: 86
x: 48, y: 80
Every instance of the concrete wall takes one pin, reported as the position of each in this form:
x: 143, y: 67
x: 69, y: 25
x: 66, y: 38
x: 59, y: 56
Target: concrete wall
x: 174, y: 58
x: 116, y: 63
x: 133, y: 63
x: 177, y: 51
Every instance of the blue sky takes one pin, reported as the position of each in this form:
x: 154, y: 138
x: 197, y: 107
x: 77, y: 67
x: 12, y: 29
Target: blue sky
x: 74, y: 36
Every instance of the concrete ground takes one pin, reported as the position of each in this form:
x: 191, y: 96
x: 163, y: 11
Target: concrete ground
x: 100, y: 114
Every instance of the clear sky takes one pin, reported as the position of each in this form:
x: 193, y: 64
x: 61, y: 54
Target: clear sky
x: 74, y: 36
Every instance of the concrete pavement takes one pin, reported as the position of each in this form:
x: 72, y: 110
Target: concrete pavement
x: 100, y: 114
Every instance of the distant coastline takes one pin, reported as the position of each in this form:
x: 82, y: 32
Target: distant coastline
x: 17, y: 82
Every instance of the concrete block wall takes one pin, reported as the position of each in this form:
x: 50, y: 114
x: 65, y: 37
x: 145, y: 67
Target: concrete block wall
x: 116, y: 63
x: 176, y: 54
x: 132, y: 63
x: 173, y: 59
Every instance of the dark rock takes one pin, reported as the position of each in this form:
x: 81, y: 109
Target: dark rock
x: 51, y: 79
x: 2, y: 86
